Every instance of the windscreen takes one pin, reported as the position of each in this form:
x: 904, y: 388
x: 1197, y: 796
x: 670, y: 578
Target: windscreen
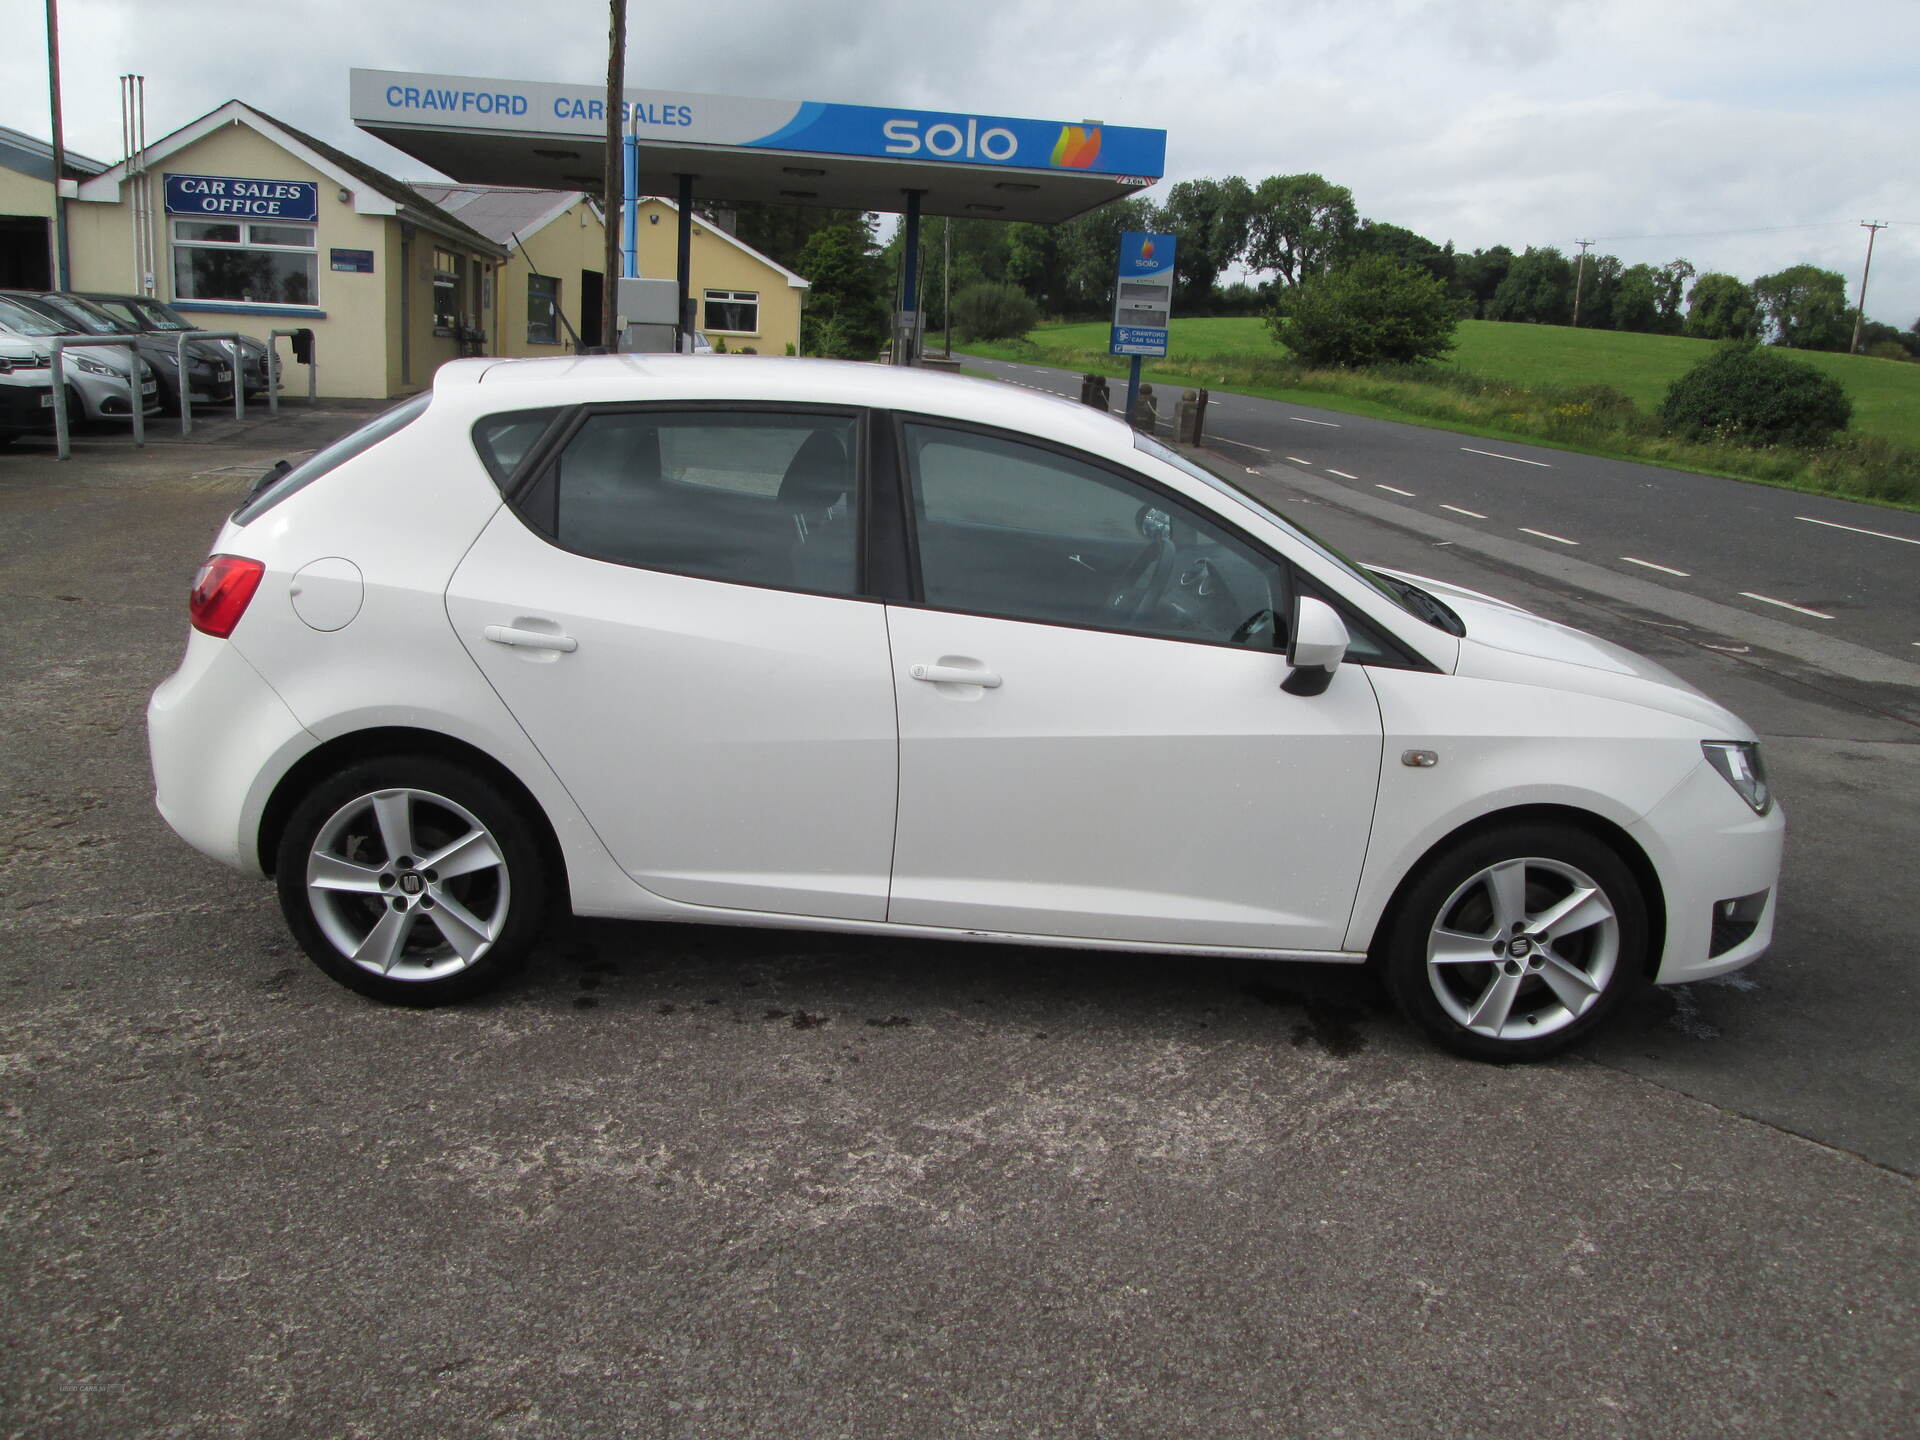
x: 22, y: 321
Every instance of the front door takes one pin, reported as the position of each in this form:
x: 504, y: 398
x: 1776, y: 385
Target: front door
x: 1093, y: 737
x: 672, y: 616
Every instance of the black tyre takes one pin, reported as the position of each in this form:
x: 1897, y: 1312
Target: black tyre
x: 1514, y: 945
x: 413, y: 880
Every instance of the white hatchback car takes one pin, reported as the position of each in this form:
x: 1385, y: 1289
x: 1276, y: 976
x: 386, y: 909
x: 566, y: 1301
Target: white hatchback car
x: 820, y: 645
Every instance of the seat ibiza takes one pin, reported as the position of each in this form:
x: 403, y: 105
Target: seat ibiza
x: 830, y: 646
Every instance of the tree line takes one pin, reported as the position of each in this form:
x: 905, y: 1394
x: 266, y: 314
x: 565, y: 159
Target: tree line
x: 1286, y: 230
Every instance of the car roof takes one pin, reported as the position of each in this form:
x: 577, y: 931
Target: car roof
x: 494, y: 384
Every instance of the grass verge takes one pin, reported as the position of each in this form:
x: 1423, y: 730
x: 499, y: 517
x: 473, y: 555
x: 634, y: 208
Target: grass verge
x: 1595, y: 419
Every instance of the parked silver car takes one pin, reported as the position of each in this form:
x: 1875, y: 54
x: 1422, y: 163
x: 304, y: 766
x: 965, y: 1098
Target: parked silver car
x: 209, y: 374
x: 100, y: 380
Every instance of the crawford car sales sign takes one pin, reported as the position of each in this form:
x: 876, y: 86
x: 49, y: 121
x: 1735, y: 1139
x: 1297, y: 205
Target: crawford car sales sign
x: 238, y: 198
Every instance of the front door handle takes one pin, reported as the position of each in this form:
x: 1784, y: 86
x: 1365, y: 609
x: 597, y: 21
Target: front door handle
x: 955, y: 675
x: 530, y: 639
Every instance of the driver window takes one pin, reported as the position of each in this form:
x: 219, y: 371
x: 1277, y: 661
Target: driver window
x: 1009, y: 529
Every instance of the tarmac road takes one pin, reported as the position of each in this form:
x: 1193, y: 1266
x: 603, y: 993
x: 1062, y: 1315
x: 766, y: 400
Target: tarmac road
x: 703, y: 1183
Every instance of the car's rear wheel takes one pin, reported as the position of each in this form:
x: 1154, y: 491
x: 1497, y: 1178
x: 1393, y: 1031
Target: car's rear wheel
x: 1516, y: 944
x: 412, y: 880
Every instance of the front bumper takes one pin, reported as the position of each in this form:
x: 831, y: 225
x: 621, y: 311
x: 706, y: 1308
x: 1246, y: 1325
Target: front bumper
x: 1710, y: 848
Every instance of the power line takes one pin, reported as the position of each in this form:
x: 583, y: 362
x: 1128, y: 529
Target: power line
x: 1713, y: 234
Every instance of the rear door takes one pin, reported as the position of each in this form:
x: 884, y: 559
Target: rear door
x: 675, y: 615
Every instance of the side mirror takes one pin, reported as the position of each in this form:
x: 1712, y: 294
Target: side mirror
x: 1318, y: 645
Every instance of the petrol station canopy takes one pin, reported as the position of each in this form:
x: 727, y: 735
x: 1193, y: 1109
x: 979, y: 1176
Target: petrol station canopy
x: 853, y: 157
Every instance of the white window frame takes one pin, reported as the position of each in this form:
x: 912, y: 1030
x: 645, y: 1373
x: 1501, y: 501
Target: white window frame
x: 553, y: 310
x: 730, y: 297
x: 246, y: 242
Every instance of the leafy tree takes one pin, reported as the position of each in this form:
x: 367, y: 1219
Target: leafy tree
x: 1538, y: 287
x: 1034, y: 264
x: 993, y: 311
x: 846, y: 314
x: 1875, y: 338
x: 1406, y: 247
x: 1088, y: 247
x: 1636, y: 304
x: 1211, y: 218
x: 1477, y: 277
x: 1301, y: 224
x: 1672, y: 287
x: 1745, y: 393
x: 781, y: 232
x: 1721, y: 307
x: 1369, y: 311
x: 1805, y: 307
x: 1596, y: 291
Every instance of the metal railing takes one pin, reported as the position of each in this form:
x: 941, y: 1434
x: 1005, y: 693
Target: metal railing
x: 273, y: 367
x: 231, y: 338
x: 136, y: 399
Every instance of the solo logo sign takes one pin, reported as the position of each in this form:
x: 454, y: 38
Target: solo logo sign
x: 905, y: 137
x: 1076, y: 149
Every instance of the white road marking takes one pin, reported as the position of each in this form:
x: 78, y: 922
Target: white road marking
x: 1298, y: 461
x: 1557, y: 539
x: 1517, y: 459
x: 1880, y: 534
x: 1471, y: 514
x: 1727, y: 649
x: 1331, y: 425
x: 1784, y: 605
x: 1393, y: 490
x: 1341, y: 473
x: 1663, y: 569
x: 1241, y: 443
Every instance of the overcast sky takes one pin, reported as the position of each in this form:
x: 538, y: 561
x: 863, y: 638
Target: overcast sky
x: 1746, y: 135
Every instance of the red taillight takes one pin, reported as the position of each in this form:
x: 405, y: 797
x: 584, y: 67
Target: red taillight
x: 220, y: 593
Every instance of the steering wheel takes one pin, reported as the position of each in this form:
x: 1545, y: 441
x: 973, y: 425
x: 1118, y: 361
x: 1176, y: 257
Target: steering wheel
x: 1145, y: 579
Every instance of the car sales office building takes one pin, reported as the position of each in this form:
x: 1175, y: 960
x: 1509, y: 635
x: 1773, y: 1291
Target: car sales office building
x: 246, y: 224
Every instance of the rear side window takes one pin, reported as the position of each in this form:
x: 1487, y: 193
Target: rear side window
x: 753, y: 497
x: 276, y: 485
x: 504, y: 440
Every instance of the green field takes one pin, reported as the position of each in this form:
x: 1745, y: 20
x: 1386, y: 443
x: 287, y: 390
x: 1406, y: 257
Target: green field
x: 1885, y: 393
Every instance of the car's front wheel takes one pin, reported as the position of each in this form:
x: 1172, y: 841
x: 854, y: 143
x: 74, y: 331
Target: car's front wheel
x: 1517, y: 943
x: 412, y: 880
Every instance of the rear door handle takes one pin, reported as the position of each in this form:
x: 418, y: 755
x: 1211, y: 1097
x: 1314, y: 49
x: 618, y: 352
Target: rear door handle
x: 955, y: 675
x: 530, y: 639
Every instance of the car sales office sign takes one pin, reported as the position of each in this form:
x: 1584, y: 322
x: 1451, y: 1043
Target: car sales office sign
x: 1143, y: 294
x: 236, y: 198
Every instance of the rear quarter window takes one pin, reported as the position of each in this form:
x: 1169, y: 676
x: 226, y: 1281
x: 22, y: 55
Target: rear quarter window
x: 270, y: 489
x: 504, y: 440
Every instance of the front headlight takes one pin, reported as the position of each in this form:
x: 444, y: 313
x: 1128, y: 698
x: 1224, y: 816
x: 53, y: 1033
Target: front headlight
x: 94, y: 367
x: 1739, y: 764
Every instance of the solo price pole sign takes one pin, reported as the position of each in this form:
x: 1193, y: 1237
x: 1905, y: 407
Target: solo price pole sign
x: 1142, y: 302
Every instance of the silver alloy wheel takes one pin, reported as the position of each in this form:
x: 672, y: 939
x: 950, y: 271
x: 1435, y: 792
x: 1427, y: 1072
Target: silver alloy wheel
x: 387, y: 861
x: 1523, y: 948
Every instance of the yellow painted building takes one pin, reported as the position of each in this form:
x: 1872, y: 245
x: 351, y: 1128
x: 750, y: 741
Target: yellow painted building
x: 244, y: 223
x: 550, y: 286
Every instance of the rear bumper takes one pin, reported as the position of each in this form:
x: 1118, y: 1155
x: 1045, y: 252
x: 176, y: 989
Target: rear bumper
x: 218, y: 736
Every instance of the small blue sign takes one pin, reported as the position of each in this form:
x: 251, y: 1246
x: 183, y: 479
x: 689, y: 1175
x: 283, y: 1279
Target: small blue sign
x: 359, y: 262
x: 236, y: 197
x: 1133, y: 340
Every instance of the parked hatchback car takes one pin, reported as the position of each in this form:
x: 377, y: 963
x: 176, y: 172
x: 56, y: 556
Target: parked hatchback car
x: 809, y: 644
x: 26, y: 388
x: 99, y: 379
x: 209, y: 375
x: 157, y: 317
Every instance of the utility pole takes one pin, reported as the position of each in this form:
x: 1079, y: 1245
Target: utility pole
x: 610, y: 183
x: 946, y: 281
x: 61, y: 278
x: 1873, y: 229
x: 1579, y: 280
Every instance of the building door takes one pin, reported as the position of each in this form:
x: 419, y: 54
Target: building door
x: 26, y: 261
x: 592, y: 298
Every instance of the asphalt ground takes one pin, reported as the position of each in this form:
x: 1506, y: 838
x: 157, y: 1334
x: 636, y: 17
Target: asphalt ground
x: 687, y: 1182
